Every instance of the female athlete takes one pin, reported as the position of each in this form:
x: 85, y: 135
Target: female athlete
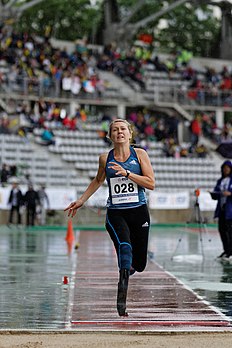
x: 128, y: 172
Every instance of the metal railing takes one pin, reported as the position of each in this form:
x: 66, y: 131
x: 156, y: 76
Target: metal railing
x: 51, y: 87
x: 193, y: 96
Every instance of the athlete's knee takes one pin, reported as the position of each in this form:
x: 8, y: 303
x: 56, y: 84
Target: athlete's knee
x: 125, y: 256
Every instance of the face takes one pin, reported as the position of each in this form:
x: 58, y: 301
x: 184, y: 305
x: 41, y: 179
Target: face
x: 120, y: 132
x: 226, y: 170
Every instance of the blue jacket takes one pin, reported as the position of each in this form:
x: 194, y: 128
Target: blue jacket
x: 228, y: 205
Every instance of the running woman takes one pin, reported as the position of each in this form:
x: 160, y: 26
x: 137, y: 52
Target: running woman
x: 128, y: 172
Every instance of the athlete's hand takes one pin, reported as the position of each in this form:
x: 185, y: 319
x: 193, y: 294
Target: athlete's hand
x: 118, y: 169
x: 73, y: 207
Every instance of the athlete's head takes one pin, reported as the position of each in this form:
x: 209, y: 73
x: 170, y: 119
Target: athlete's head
x: 120, y: 125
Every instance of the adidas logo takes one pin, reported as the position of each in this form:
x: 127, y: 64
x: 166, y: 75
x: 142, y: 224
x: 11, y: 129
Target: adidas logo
x: 133, y: 162
x: 146, y: 224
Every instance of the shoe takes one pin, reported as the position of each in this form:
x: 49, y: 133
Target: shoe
x: 122, y: 292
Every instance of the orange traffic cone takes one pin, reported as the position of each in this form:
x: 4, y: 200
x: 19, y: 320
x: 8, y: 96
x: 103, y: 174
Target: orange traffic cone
x: 70, y: 234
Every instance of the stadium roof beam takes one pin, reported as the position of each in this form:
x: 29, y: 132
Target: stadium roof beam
x: 158, y: 14
x: 123, y: 31
x: 10, y: 3
x: 135, y: 9
x: 28, y: 5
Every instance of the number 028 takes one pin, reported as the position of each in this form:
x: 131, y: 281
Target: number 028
x: 124, y: 188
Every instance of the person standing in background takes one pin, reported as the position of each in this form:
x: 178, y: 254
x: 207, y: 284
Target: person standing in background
x: 195, y: 131
x: 223, y: 194
x: 31, y: 200
x: 15, y: 201
x: 4, y: 174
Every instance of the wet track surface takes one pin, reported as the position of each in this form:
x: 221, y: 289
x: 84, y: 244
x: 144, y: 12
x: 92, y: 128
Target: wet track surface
x: 33, y: 264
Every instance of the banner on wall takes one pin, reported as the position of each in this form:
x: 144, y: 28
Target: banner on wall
x: 4, y: 196
x: 206, y: 203
x: 61, y: 197
x: 164, y: 200
x: 99, y: 198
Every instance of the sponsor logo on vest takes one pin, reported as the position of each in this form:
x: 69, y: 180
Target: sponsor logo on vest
x: 133, y: 162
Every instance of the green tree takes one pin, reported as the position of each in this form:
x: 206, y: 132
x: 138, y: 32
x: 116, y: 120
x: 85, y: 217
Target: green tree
x: 191, y: 25
x: 191, y: 28
x: 188, y: 26
x: 68, y: 19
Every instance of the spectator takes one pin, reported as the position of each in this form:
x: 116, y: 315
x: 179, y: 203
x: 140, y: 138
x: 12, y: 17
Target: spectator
x: 223, y: 194
x: 31, y: 200
x: 4, y: 174
x: 48, y: 137
x: 195, y: 129
x: 15, y: 201
x: 13, y: 170
x: 201, y: 151
x: 104, y: 129
x: 4, y: 125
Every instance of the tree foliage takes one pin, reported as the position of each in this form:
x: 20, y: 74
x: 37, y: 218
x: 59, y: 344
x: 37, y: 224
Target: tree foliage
x: 68, y: 19
x: 187, y: 26
x: 191, y: 28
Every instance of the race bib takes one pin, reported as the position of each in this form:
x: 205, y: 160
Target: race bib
x: 123, y: 190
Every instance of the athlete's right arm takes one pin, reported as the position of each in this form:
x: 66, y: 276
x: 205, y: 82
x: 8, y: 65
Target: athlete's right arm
x: 93, y: 187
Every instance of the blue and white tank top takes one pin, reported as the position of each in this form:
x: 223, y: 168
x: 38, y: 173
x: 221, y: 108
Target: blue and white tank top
x: 123, y: 192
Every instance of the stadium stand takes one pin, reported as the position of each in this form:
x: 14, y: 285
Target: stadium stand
x: 73, y: 159
x: 82, y: 148
x: 34, y: 162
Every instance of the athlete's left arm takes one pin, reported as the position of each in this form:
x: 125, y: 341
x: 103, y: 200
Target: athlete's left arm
x: 147, y: 179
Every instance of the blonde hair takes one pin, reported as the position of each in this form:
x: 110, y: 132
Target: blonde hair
x: 121, y: 120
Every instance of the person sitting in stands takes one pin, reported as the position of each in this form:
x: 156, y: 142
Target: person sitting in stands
x: 48, y: 137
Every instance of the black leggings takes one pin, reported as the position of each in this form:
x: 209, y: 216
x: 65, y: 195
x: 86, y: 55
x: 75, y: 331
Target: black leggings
x: 129, y: 230
x: 225, y: 230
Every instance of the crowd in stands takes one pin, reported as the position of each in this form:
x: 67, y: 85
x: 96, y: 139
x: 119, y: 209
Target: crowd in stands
x: 164, y: 128
x: 35, y: 65
x: 150, y: 125
x: 206, y: 85
x: 129, y: 65
x: 34, y: 62
x: 205, y: 123
x: 212, y: 88
x: 153, y: 126
x: 43, y: 115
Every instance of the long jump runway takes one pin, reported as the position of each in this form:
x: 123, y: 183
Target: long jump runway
x: 156, y: 300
